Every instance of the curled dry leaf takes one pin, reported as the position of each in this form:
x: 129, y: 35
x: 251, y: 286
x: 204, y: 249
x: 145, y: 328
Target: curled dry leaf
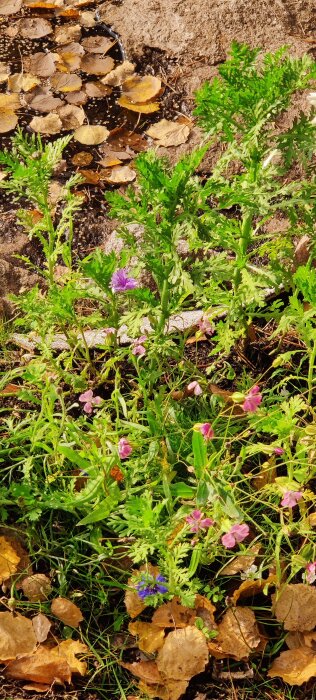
x: 45, y: 102
x: 70, y: 648
x: 37, y: 687
x: 51, y: 124
x: 295, y: 666
x: 17, y: 636
x: 295, y: 606
x: 8, y: 106
x: 44, y: 666
x: 66, y: 82
x: 119, y: 175
x: 9, y: 559
x: 10, y: 7
x: 119, y: 74
x: 96, y: 89
x: 168, y: 133
x: 242, y: 562
x: 36, y: 587
x: 238, y: 634
x: 183, y: 655
x: 250, y: 588
x: 41, y: 625
x: 150, y: 637
x: 173, y: 614
x: 142, y: 108
x: 97, y: 44
x: 71, y: 116
x: 82, y: 158
x: 91, y: 135
x: 96, y: 66
x: 22, y: 82
x: 77, y: 98
x: 35, y: 28
x: 43, y: 64
x: 67, y: 33
x: 141, y: 88
x: 66, y: 611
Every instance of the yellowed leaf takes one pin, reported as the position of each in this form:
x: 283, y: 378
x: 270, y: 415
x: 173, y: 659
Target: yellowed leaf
x: 141, y: 88
x: 4, y: 72
x: 267, y: 474
x: 41, y: 625
x: 17, y: 636
x: 146, y: 670
x: 96, y: 89
x: 66, y: 611
x: 97, y: 44
x: 183, y: 655
x: 119, y: 174
x: 22, y: 82
x: 70, y: 57
x: 70, y: 648
x: 238, y: 634
x: 10, y: 7
x: 96, y: 66
x: 71, y: 116
x: 91, y: 135
x: 67, y: 33
x: 35, y: 27
x: 168, y: 133
x: 82, y: 158
x: 43, y: 64
x: 295, y: 606
x: 134, y: 605
x: 295, y: 666
x: 110, y: 161
x: 171, y: 690
x: 36, y: 587
x: 252, y: 587
x: 66, y: 82
x: 118, y: 75
x: 8, y: 118
x: 173, y: 614
x: 51, y: 124
x: 143, y: 108
x: 150, y: 637
x: 9, y: 560
x: 44, y: 666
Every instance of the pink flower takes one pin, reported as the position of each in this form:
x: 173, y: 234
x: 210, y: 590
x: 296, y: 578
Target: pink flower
x: 121, y: 282
x: 109, y: 330
x: 124, y: 448
x: 310, y: 572
x: 278, y: 451
x: 205, y: 429
x: 89, y: 400
x: 291, y: 498
x: 138, y: 347
x: 252, y: 400
x: 197, y: 521
x: 205, y: 326
x: 237, y: 533
x: 194, y: 388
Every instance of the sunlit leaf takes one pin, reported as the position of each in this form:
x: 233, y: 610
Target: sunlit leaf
x: 295, y: 606
x: 168, y: 133
x: 51, y: 124
x: 91, y: 135
x: 17, y: 636
x: 96, y: 66
x: 295, y: 666
x: 143, y: 108
x: 66, y: 611
x: 139, y: 89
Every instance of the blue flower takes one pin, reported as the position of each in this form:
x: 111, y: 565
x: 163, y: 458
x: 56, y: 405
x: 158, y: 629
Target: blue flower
x: 150, y: 585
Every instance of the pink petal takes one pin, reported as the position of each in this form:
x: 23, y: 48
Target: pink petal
x: 86, y: 396
x: 228, y: 540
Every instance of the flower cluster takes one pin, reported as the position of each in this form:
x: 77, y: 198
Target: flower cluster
x: 291, y: 498
x: 237, y: 533
x: 194, y: 388
x: 150, y: 585
x: 197, y: 521
x: 310, y: 572
x: 89, y: 401
x: 121, y: 282
x: 252, y: 400
x: 138, y: 345
x: 124, y: 448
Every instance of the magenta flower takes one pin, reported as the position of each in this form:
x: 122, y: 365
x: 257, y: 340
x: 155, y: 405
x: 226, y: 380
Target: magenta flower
x: 278, y: 451
x: 205, y: 326
x: 109, y: 330
x: 310, y: 572
x: 194, y: 388
x: 89, y: 400
x: 197, y: 521
x: 121, y: 282
x: 124, y: 448
x: 291, y: 498
x: 138, y: 347
x: 252, y: 400
x: 205, y: 429
x: 237, y: 533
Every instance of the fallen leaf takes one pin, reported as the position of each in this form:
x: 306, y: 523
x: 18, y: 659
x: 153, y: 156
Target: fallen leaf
x: 17, y: 636
x: 109, y: 161
x: 45, y: 102
x: 96, y: 89
x: 242, y: 562
x: 8, y: 106
x: 87, y: 19
x: 66, y: 611
x: 238, y: 634
x: 96, y: 66
x: 173, y: 614
x: 97, y: 44
x: 51, y: 124
x: 67, y: 33
x: 77, y: 98
x: 71, y: 116
x: 142, y: 108
x: 10, y: 7
x: 119, y: 74
x: 82, y: 158
x: 252, y: 587
x: 8, y: 389
x: 4, y: 72
x: 66, y: 82
x: 37, y: 687
x: 44, y: 666
x: 119, y: 174
x: 171, y: 690
x: 139, y: 89
x: 169, y: 133
x: 134, y: 605
x: 295, y: 606
x: 22, y: 82
x: 295, y: 666
x: 70, y: 648
x: 205, y: 610
x: 122, y: 138
x: 267, y: 474
x: 183, y: 655
x: 91, y: 177
x: 36, y: 587
x: 294, y: 640
x: 35, y: 28
x: 91, y: 135
x: 146, y: 670
x: 227, y: 399
x: 9, y: 559
x: 69, y: 57
x: 43, y: 64
x: 41, y: 625
x: 150, y: 637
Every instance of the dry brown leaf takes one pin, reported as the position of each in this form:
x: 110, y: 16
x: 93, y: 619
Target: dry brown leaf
x: 205, y: 610
x: 37, y: 687
x: 44, y: 666
x: 71, y: 116
x: 150, y: 637
x: 82, y: 158
x: 66, y: 82
x: 9, y: 559
x: 70, y: 648
x: 8, y: 106
x: 295, y: 606
x: 91, y: 135
x: 171, y: 690
x: 109, y: 161
x: 87, y: 19
x: 183, y: 655
x: 168, y: 133
x: 173, y: 614
x: 24, y: 566
x: 267, y: 474
x: 77, y: 98
x: 97, y: 44
x: 96, y: 89
x: 294, y: 640
x: 4, y: 72
x: 35, y: 28
x: 22, y: 82
x: 41, y: 625
x: 51, y: 124
x: 146, y: 670
x: 238, y: 634
x: 252, y: 587
x: 91, y: 177
x: 134, y: 605
x: 295, y: 666
x: 119, y: 175
x: 69, y: 57
x: 43, y: 64
x: 67, y: 33
x: 122, y: 138
x: 142, y: 108
x: 10, y: 7
x: 242, y: 562
x: 96, y: 66
x: 66, y: 611
x: 45, y: 102
x: 139, y: 89
x: 17, y: 636
x: 36, y: 587
x: 118, y: 76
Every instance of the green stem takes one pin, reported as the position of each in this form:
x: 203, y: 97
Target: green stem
x: 164, y: 305
x: 311, y: 373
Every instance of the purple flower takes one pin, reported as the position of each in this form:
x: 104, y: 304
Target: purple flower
x: 149, y: 585
x: 89, y: 400
x: 252, y: 400
x: 197, y: 521
x: 121, y: 282
x: 124, y: 448
x: 291, y: 498
x: 205, y: 429
x: 310, y: 572
x: 278, y: 451
x: 237, y: 533
x: 138, y: 347
x: 194, y: 388
x: 205, y: 326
